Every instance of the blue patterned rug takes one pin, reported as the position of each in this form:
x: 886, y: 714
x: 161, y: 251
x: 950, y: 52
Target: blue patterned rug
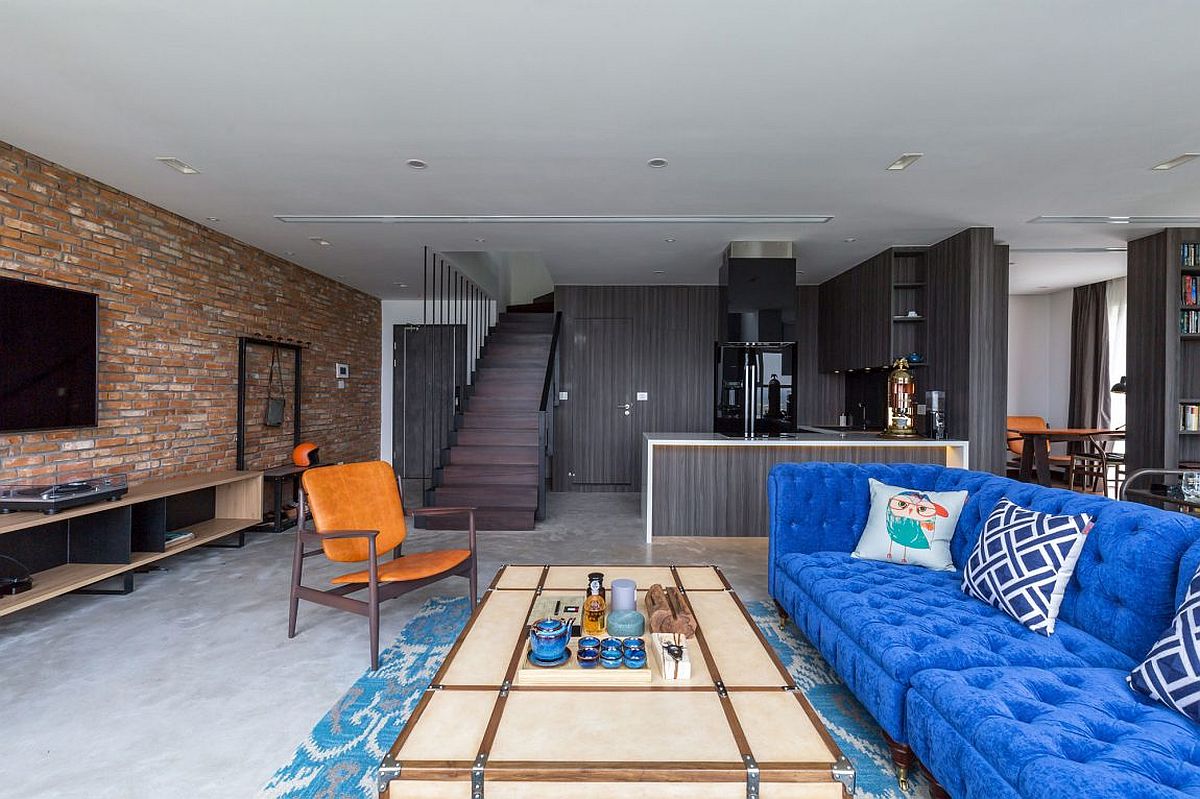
x: 340, y: 756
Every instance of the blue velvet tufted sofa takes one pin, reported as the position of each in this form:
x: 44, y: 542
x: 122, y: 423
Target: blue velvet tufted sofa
x: 991, y: 709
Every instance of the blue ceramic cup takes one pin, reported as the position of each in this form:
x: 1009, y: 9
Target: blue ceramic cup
x: 611, y: 658
x: 589, y: 642
x: 635, y: 658
x: 634, y: 643
x: 611, y: 645
x: 548, y: 639
x: 588, y: 657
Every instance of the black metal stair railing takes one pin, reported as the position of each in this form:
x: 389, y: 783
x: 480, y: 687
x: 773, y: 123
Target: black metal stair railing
x: 458, y: 312
x: 546, y: 418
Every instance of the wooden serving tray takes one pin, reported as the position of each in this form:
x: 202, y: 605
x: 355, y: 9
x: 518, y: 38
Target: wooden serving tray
x: 571, y: 674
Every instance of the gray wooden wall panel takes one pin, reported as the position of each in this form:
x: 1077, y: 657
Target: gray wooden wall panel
x: 968, y: 351
x: 722, y: 491
x: 820, y: 397
x: 674, y: 329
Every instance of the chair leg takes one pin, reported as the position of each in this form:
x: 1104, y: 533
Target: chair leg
x: 474, y: 578
x: 297, y: 573
x: 373, y: 613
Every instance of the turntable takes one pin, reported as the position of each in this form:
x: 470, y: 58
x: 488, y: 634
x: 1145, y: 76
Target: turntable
x: 49, y: 498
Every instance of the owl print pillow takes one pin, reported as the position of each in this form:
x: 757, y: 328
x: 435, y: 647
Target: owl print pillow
x: 910, y: 527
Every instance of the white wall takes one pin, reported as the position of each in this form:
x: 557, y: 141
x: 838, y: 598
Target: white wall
x: 1039, y: 355
x: 398, y: 312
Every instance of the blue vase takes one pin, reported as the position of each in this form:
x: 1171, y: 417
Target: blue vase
x: 548, y: 639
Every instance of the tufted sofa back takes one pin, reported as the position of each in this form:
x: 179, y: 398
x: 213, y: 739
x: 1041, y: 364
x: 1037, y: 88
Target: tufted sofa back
x: 1126, y: 585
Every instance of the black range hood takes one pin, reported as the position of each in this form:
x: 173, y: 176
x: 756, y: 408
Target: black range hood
x: 758, y: 293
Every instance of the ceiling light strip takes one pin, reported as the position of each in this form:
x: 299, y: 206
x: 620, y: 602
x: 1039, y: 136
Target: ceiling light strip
x: 417, y: 219
x: 1178, y: 160
x: 904, y: 161
x: 1115, y: 220
x: 1067, y: 249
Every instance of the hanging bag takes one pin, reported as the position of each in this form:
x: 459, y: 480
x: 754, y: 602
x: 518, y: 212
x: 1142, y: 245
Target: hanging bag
x: 273, y: 416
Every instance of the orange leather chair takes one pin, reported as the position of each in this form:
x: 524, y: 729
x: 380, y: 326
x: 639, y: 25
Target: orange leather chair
x: 358, y: 512
x: 1016, y: 444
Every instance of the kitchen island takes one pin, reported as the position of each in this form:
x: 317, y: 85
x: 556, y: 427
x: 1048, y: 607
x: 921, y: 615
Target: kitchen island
x: 706, y: 484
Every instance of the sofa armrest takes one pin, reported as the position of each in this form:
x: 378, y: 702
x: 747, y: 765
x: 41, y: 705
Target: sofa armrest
x: 815, y: 507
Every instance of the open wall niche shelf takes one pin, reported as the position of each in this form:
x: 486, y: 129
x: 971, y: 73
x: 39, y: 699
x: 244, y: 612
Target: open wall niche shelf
x: 76, y: 548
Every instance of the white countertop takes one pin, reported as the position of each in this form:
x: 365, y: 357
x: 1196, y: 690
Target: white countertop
x: 807, y: 437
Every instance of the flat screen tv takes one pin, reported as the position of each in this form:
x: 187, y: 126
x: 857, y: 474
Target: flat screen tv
x: 47, y: 357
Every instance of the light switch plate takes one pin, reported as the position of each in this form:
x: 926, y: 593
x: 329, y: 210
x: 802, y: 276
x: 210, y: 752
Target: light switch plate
x: 642, y: 396
x: 562, y: 396
x: 341, y: 370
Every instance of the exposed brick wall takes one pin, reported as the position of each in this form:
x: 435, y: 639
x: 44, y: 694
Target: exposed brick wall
x: 174, y: 297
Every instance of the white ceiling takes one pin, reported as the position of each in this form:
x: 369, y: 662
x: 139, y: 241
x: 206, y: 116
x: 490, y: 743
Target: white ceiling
x: 1023, y: 108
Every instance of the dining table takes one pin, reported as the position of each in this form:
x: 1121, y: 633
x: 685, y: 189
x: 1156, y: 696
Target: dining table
x: 1035, y: 451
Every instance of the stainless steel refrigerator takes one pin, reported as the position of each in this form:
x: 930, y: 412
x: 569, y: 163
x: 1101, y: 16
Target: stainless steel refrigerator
x: 754, y: 390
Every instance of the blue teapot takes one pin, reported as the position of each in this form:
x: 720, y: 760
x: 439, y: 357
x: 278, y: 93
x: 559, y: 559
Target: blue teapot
x: 548, y: 639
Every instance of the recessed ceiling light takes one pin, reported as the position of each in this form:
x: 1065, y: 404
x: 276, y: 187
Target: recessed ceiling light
x: 1067, y: 249
x: 416, y: 163
x: 1178, y: 160
x: 212, y: 219
x: 850, y: 240
x: 319, y: 240
x: 177, y: 165
x: 904, y: 161
x: 481, y: 241
x: 669, y: 241
x: 398, y: 283
x: 1042, y: 287
x: 656, y: 163
x: 1068, y: 219
x: 660, y: 271
x: 530, y: 219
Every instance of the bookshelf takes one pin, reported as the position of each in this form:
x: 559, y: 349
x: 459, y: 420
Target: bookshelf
x: 1164, y: 350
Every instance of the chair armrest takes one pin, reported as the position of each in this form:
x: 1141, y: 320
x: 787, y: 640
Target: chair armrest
x: 441, y: 511
x: 313, y: 535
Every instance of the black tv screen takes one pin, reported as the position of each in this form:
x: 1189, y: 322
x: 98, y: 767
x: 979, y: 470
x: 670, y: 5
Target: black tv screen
x: 47, y: 357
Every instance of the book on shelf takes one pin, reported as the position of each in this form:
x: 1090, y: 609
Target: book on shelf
x: 1189, y: 417
x: 1189, y: 322
x: 177, y: 537
x: 1189, y: 293
x: 1189, y: 255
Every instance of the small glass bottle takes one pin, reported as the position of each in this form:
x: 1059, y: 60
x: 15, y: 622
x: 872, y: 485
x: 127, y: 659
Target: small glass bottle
x: 595, y: 607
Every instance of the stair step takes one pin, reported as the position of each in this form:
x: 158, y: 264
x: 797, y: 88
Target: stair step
x: 489, y: 474
x: 507, y: 351
x: 507, y: 316
x: 504, y: 404
x: 485, y: 519
x: 493, y: 380
x: 531, y: 373
x: 486, y: 496
x: 524, y: 420
x: 491, y: 437
x: 517, y: 336
x: 526, y: 456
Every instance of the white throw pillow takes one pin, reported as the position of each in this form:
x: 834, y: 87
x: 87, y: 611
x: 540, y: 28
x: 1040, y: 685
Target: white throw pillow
x: 910, y: 526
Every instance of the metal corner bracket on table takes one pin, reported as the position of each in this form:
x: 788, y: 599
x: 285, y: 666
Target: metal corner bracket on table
x: 843, y: 772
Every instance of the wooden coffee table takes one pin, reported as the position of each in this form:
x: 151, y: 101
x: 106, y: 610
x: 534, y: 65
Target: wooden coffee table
x: 739, y: 727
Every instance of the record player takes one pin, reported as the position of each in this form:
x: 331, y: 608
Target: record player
x: 52, y: 497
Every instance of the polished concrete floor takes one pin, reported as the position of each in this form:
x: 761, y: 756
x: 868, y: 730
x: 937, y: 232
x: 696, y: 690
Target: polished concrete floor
x: 189, y: 686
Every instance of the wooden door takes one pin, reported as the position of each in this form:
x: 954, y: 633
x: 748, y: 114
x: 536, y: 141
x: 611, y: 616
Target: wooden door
x: 602, y: 433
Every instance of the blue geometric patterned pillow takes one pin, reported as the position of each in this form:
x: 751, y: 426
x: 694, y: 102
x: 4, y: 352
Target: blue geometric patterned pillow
x: 1022, y: 562
x: 1171, y: 672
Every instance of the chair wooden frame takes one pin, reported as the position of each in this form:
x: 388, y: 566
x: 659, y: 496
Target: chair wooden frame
x: 377, y: 592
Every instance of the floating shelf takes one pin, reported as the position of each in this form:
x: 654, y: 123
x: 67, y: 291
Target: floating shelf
x: 908, y: 318
x: 910, y: 285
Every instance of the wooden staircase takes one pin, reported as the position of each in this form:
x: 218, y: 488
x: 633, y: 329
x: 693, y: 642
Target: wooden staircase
x: 493, y: 463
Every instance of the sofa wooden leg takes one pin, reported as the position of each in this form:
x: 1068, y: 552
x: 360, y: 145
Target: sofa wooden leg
x: 936, y: 791
x: 903, y: 757
x: 782, y: 613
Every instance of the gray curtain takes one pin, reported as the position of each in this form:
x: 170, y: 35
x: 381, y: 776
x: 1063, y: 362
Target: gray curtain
x: 1090, y: 403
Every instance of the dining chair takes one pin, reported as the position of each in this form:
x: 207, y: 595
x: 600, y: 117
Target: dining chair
x: 358, y: 515
x: 1016, y: 443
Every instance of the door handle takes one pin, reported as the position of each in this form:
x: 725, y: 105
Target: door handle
x: 624, y: 407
